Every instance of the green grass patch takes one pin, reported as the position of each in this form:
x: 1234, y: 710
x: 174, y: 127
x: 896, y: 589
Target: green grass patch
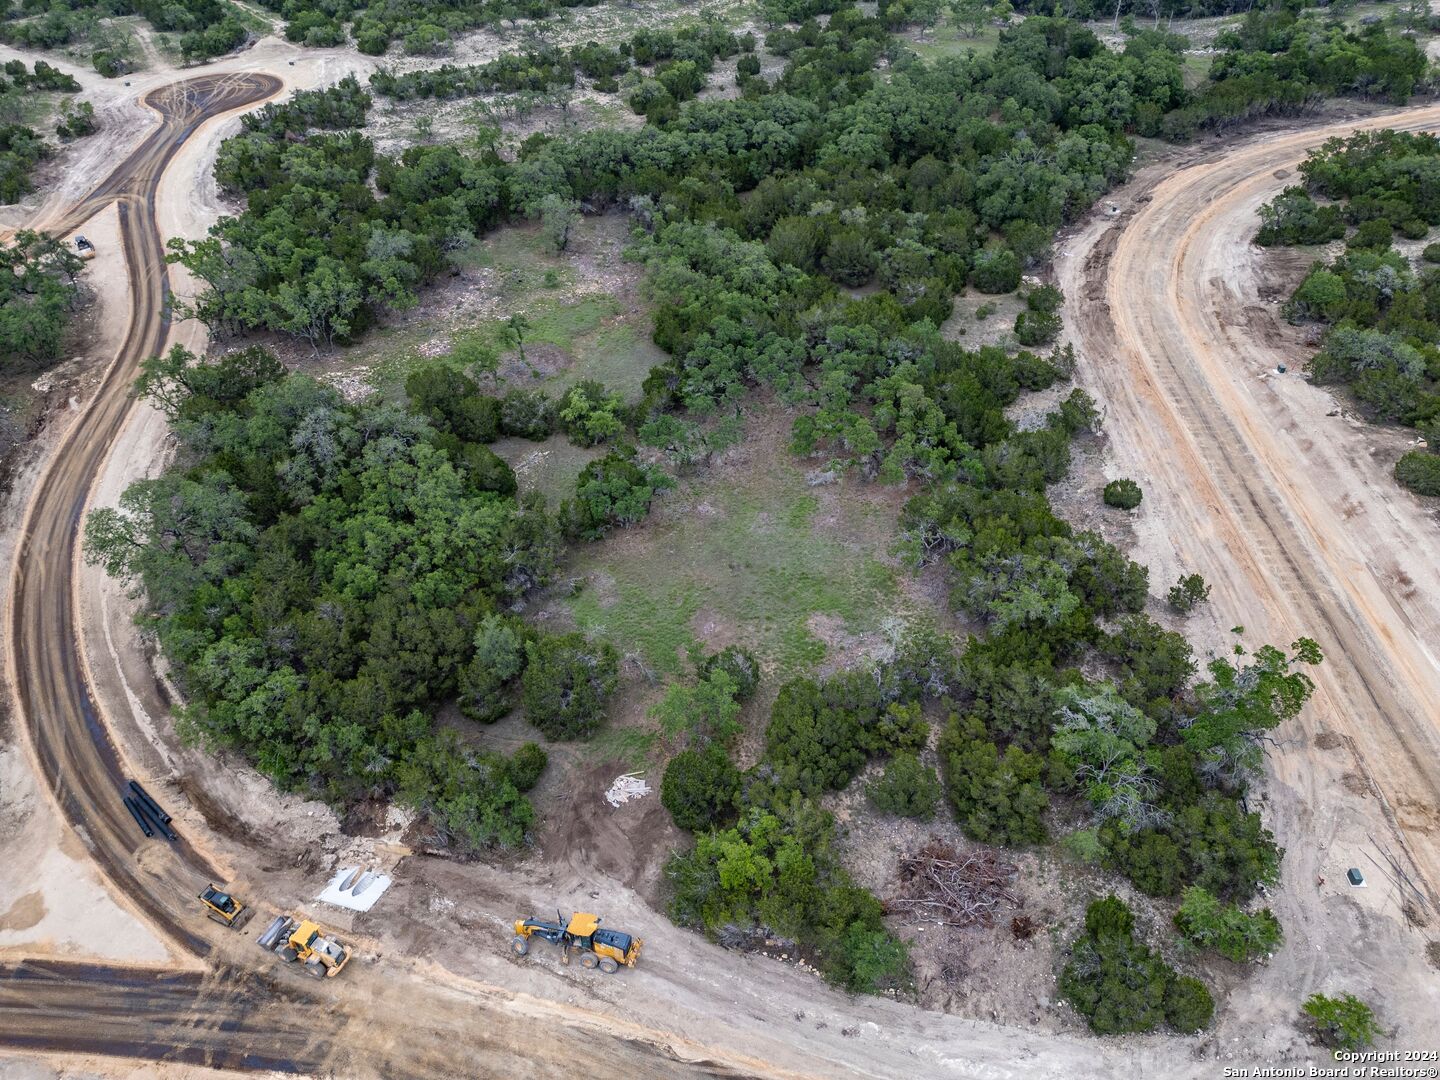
x: 630, y: 746
x: 1195, y: 68
x: 549, y: 467
x: 947, y: 40
x: 756, y: 556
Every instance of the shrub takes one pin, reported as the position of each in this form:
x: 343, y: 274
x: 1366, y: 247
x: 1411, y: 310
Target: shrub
x: 706, y: 711
x: 1420, y: 472
x: 567, y: 683
x: 528, y: 414
x: 1121, y: 986
x: 1045, y: 300
x: 526, y: 766
x: 1036, y: 327
x: 486, y: 681
x: 1372, y: 235
x: 1413, y: 229
x: 1188, y: 1005
x: 740, y: 664
x: 1431, y: 253
x: 778, y: 869
x: 1343, y: 1023
x: 452, y: 402
x: 1188, y: 593
x: 998, y: 798
x: 1206, y: 922
x: 1124, y: 494
x: 813, y: 744
x: 614, y: 490
x: 996, y: 270
x: 1109, y: 917
x: 907, y: 788
x: 77, y: 119
x: 701, y: 789
x: 590, y: 414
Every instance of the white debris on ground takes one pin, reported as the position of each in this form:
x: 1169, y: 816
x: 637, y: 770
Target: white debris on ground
x: 355, y: 888
x: 626, y: 787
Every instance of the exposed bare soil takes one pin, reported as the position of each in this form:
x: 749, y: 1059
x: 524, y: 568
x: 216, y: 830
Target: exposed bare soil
x: 1285, y: 503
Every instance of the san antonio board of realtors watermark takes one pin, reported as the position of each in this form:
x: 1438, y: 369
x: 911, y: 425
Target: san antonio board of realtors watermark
x: 1352, y: 1064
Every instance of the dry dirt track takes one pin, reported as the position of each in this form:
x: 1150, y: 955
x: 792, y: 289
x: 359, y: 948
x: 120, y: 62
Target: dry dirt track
x: 76, y: 757
x: 1278, y: 504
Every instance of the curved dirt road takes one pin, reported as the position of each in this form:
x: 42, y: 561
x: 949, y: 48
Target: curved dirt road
x: 1257, y: 481
x: 77, y: 759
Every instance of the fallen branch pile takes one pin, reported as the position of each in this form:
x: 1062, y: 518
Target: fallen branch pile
x: 939, y: 883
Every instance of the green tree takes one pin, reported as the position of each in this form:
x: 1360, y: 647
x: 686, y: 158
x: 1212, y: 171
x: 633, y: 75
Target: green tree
x: 701, y: 788
x: 998, y: 798
x: 1419, y: 471
x: 1188, y: 593
x: 906, y: 788
x: 567, y: 684
x: 1210, y: 924
x: 1123, y: 494
x: 1344, y: 1023
x: 558, y: 218
x: 706, y: 711
x: 487, y: 681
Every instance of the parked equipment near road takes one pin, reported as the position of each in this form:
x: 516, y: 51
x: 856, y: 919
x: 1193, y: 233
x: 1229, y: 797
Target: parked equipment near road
x: 224, y: 908
x: 605, y: 949
x: 84, y: 248
x: 301, y: 941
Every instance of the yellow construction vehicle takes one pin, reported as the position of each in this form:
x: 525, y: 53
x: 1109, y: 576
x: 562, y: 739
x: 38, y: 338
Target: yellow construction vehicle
x: 301, y: 941
x: 224, y: 908
x: 605, y: 949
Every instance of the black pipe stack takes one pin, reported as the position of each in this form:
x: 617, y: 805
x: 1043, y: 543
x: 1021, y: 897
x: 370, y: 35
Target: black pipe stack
x: 142, y: 806
x: 134, y: 809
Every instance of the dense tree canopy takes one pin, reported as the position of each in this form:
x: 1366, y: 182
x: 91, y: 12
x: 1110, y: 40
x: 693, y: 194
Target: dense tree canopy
x: 323, y: 575
x: 1381, y: 312
x: 38, y: 293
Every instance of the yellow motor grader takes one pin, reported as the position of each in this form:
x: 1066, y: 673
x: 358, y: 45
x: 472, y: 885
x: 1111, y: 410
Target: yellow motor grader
x: 598, y: 947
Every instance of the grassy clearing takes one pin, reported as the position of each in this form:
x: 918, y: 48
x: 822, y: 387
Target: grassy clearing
x: 752, y: 557
x: 629, y: 746
x: 946, y: 39
x: 549, y: 467
x: 1195, y: 68
x: 582, y: 303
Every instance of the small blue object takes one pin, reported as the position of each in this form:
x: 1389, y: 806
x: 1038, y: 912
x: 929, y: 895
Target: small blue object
x: 1356, y: 878
x: 1281, y: 369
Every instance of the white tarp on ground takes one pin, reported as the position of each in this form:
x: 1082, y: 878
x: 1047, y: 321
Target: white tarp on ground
x: 626, y: 787
x: 366, y: 887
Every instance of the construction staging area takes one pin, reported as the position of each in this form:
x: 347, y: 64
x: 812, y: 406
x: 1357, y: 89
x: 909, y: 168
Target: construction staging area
x: 128, y: 942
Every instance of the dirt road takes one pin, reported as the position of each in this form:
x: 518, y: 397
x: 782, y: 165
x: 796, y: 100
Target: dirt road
x: 75, y: 754
x: 1258, y: 480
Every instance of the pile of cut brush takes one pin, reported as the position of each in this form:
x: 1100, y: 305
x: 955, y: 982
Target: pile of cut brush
x: 940, y: 884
